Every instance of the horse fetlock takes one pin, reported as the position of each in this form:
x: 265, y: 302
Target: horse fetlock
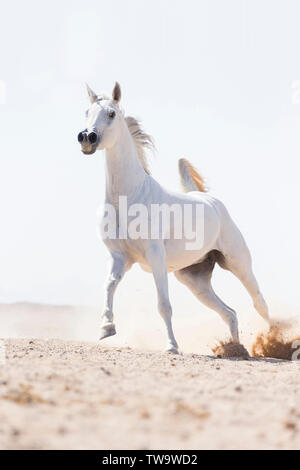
x: 172, y: 348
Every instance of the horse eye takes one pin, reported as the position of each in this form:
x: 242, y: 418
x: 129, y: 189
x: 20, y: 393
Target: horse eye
x: 111, y: 114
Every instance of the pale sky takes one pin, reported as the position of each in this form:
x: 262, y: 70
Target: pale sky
x: 211, y: 80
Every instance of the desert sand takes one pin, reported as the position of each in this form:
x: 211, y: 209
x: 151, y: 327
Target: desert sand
x: 57, y: 394
x: 77, y: 393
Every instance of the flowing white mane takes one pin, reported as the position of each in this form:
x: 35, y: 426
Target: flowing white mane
x: 142, y: 140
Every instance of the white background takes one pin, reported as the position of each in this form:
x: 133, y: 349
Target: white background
x: 211, y: 80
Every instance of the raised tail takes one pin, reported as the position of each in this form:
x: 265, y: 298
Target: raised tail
x: 190, y: 178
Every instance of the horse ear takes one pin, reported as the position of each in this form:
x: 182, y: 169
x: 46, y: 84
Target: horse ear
x: 116, y: 94
x: 92, y: 95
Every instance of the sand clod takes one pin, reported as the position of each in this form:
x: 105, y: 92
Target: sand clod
x: 230, y: 349
x: 278, y: 342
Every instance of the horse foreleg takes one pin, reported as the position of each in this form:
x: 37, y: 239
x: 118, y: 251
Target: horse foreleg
x: 156, y: 260
x: 117, y: 269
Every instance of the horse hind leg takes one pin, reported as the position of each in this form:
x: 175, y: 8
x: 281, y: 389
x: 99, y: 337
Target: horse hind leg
x: 198, y: 279
x: 240, y: 264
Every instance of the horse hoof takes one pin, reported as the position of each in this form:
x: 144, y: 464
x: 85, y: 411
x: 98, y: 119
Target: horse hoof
x: 105, y: 332
x: 172, y: 350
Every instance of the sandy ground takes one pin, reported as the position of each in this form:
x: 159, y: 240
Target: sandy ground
x: 57, y: 394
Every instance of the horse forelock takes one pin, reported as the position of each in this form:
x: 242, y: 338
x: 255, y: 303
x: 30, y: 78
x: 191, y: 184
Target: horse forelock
x: 103, y: 96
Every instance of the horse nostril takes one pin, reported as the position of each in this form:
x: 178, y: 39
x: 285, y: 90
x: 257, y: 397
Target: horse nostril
x: 92, y: 137
x: 80, y: 137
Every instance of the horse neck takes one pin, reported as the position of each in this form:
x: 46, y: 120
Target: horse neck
x: 124, y: 171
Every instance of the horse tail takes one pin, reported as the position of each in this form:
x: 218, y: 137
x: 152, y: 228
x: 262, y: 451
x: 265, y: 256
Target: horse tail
x: 190, y: 178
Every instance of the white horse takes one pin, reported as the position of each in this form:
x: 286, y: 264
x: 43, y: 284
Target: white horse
x: 127, y: 175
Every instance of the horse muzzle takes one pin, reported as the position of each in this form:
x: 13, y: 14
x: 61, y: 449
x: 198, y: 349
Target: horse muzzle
x: 89, y: 141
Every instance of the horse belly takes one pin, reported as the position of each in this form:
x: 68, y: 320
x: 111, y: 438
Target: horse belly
x: 181, y: 253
